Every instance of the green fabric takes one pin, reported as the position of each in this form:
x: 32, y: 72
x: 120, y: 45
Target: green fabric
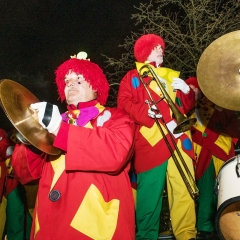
x: 207, y: 202
x: 150, y: 187
x: 18, y: 219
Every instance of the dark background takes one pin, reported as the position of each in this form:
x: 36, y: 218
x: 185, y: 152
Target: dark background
x: 36, y: 36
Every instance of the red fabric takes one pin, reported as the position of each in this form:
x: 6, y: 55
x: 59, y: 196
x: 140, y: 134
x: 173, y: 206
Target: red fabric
x: 6, y: 184
x: 132, y: 99
x: 98, y: 156
x: 224, y: 122
x: 27, y: 165
x: 4, y: 144
x: 3, y: 174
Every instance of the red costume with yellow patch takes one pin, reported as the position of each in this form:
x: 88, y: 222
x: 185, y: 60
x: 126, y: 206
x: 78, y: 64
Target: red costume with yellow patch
x: 85, y: 192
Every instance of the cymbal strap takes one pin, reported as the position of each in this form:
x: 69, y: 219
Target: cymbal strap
x: 47, y: 114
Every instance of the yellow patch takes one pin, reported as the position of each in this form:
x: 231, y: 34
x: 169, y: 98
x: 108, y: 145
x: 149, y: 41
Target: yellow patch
x: 224, y: 142
x: 153, y: 134
x: 197, y: 149
x: 58, y: 165
x: 96, y: 218
x: 37, y: 225
x: 167, y: 75
x: 217, y: 164
x: 134, y: 192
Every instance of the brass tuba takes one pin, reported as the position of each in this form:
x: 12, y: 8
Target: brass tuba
x: 183, y: 124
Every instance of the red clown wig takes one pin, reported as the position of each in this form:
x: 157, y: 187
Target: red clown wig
x: 91, y: 72
x: 144, y: 46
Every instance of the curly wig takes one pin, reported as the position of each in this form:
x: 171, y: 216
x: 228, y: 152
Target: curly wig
x: 145, y: 44
x: 91, y: 72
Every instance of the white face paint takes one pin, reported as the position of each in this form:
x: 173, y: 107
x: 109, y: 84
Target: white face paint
x: 77, y: 89
x: 156, y: 55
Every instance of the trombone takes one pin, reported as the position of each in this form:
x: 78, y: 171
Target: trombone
x: 183, y: 124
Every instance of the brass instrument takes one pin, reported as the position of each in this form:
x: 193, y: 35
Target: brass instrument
x: 218, y: 71
x: 183, y: 124
x: 15, y: 100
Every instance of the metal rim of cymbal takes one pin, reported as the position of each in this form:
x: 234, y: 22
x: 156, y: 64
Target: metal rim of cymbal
x: 15, y: 100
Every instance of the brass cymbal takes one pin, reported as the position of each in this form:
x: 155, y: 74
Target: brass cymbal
x: 218, y: 71
x: 15, y: 101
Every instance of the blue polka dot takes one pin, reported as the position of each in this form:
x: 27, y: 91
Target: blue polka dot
x: 135, y: 82
x: 187, y: 144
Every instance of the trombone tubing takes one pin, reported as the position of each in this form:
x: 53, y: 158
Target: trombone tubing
x: 193, y: 190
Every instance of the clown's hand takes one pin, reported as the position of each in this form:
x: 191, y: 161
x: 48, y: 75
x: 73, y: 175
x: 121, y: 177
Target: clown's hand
x: 180, y: 84
x: 152, y: 113
x: 48, y: 115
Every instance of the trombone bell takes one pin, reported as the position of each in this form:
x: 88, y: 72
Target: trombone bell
x: 184, y: 125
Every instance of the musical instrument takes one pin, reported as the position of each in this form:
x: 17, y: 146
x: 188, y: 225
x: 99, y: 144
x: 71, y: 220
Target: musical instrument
x: 183, y: 124
x: 228, y: 209
x: 218, y: 71
x: 15, y: 101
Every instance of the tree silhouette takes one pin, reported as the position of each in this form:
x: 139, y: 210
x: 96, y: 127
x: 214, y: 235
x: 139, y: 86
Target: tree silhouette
x: 187, y: 26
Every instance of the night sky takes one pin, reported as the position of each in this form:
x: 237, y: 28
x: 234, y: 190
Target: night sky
x: 36, y: 36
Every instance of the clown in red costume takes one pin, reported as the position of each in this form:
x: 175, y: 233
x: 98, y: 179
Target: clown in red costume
x: 152, y: 160
x: 214, y: 136
x: 14, y: 214
x: 6, y: 149
x: 85, y: 192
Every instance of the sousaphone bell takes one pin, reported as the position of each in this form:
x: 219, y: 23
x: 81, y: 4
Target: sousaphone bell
x: 218, y: 71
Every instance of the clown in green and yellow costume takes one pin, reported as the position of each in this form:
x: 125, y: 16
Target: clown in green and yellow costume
x: 214, y: 135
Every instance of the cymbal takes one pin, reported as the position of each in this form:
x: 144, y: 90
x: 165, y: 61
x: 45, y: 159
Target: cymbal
x: 218, y: 71
x: 15, y: 101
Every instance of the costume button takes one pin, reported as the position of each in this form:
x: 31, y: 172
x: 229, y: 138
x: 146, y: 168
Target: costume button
x: 54, y: 195
x: 204, y: 134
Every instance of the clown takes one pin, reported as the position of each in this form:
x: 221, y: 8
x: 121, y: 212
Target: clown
x: 214, y: 136
x: 14, y: 212
x: 152, y: 159
x: 84, y: 193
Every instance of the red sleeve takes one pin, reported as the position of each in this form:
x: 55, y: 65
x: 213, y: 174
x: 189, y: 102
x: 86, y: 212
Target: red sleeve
x: 187, y: 100
x: 132, y: 99
x: 62, y: 137
x: 27, y: 165
x: 101, y: 149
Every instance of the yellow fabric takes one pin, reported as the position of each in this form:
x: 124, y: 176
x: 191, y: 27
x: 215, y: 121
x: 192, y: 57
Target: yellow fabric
x: 58, y: 165
x: 167, y: 74
x: 100, y: 107
x: 2, y: 215
x: 224, y: 142
x: 180, y: 202
x: 95, y: 217
x: 197, y: 149
x: 37, y: 225
x: 217, y: 164
x: 134, y: 191
x: 152, y: 135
